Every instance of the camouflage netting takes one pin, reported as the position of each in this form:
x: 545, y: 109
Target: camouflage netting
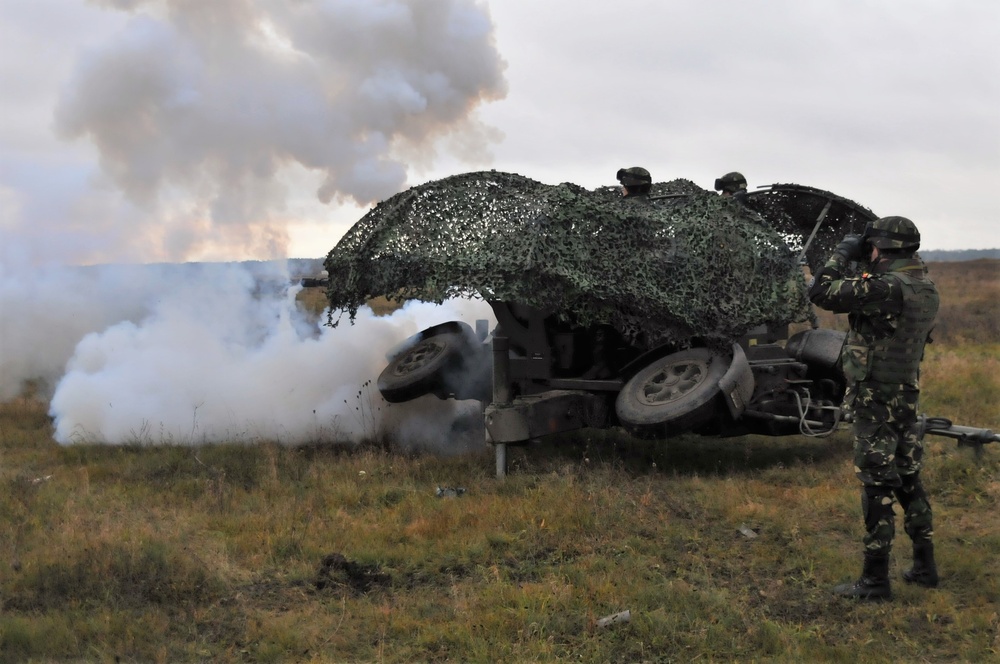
x: 690, y: 263
x: 793, y: 210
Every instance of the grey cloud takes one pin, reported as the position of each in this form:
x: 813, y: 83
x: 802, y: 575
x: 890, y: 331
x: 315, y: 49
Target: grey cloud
x: 200, y: 105
x: 891, y: 103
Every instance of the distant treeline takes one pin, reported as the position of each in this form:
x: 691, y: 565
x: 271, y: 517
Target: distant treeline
x: 299, y: 268
x: 942, y: 256
x: 309, y: 266
x: 305, y: 267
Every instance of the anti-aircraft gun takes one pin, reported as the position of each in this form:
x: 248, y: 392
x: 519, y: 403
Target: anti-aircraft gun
x: 663, y: 316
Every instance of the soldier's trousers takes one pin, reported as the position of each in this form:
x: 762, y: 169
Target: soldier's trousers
x: 888, y: 457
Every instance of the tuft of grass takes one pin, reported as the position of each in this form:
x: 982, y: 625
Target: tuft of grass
x: 124, y: 575
x: 962, y: 383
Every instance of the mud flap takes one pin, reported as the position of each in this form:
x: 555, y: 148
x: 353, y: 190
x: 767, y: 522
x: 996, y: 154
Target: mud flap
x: 737, y: 383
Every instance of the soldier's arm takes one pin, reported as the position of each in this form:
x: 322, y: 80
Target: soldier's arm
x: 828, y: 284
x: 839, y: 294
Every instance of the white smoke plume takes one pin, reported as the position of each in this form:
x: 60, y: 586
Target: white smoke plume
x: 207, y: 114
x: 46, y: 312
x: 210, y: 118
x: 223, y: 357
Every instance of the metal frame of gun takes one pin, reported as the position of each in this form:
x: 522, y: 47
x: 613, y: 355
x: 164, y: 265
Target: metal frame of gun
x: 966, y: 436
x: 663, y: 197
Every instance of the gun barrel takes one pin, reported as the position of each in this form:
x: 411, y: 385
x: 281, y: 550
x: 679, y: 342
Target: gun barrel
x: 964, y: 434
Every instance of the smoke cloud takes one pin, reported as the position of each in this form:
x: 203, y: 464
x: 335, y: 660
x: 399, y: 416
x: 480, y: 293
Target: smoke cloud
x: 209, y: 121
x: 207, y: 115
x: 47, y: 312
x: 222, y: 354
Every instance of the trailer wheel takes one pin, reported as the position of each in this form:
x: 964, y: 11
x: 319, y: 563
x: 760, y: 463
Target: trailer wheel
x: 422, y: 368
x: 673, y: 394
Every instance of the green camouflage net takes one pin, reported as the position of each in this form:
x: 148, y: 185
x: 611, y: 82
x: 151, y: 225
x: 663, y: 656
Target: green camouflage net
x: 798, y: 212
x: 685, y: 262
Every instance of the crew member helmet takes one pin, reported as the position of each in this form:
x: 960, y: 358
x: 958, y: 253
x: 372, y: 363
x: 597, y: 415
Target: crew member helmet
x: 731, y: 183
x: 893, y: 233
x: 634, y: 176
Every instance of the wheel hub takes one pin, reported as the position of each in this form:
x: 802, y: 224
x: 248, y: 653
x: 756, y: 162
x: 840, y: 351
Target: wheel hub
x: 419, y: 356
x: 673, y: 381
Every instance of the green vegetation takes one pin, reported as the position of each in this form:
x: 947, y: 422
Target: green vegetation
x: 227, y: 552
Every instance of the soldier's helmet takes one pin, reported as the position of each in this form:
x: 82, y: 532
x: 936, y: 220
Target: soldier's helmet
x: 731, y: 183
x: 893, y: 233
x: 634, y: 176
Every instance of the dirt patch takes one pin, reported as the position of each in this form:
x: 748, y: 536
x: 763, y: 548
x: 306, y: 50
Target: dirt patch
x: 337, y: 572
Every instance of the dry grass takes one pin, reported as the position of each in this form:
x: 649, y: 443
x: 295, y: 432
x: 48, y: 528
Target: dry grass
x: 313, y: 300
x: 962, y: 383
x: 970, y: 310
x: 223, y: 553
x: 175, y: 554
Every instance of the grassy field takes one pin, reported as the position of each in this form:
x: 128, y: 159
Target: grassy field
x: 337, y: 554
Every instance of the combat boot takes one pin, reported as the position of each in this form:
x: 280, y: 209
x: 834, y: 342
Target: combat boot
x: 874, y: 581
x: 924, y: 570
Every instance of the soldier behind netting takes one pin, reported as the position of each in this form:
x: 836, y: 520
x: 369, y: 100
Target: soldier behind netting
x: 636, y: 182
x: 732, y: 185
x: 891, y: 308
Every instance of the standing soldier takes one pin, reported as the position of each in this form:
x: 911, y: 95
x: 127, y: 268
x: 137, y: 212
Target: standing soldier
x: 635, y: 180
x: 891, y: 309
x: 732, y: 185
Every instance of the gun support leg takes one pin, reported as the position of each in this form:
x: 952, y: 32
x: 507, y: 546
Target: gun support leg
x: 501, y: 390
x: 500, y: 450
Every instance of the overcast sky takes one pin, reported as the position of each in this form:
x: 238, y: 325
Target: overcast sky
x: 155, y: 130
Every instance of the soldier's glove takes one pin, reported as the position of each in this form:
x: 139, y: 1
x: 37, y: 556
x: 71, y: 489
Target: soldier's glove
x: 852, y: 247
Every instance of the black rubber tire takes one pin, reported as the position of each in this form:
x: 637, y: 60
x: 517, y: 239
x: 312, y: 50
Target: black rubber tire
x: 673, y: 394
x: 422, y: 368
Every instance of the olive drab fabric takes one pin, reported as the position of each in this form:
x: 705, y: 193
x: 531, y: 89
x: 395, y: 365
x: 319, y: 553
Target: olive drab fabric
x: 893, y: 233
x: 897, y: 360
x: 634, y: 175
x: 688, y: 264
x: 636, y: 181
x: 731, y: 183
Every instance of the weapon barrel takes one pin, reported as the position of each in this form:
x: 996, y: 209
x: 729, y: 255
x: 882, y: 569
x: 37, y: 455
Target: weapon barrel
x: 970, y: 435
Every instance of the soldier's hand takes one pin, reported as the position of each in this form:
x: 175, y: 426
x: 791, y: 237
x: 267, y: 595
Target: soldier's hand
x: 851, y: 247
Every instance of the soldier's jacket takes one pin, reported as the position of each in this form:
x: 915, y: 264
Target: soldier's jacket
x: 891, y: 309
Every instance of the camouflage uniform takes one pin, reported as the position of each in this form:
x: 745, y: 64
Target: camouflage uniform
x: 891, y: 310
